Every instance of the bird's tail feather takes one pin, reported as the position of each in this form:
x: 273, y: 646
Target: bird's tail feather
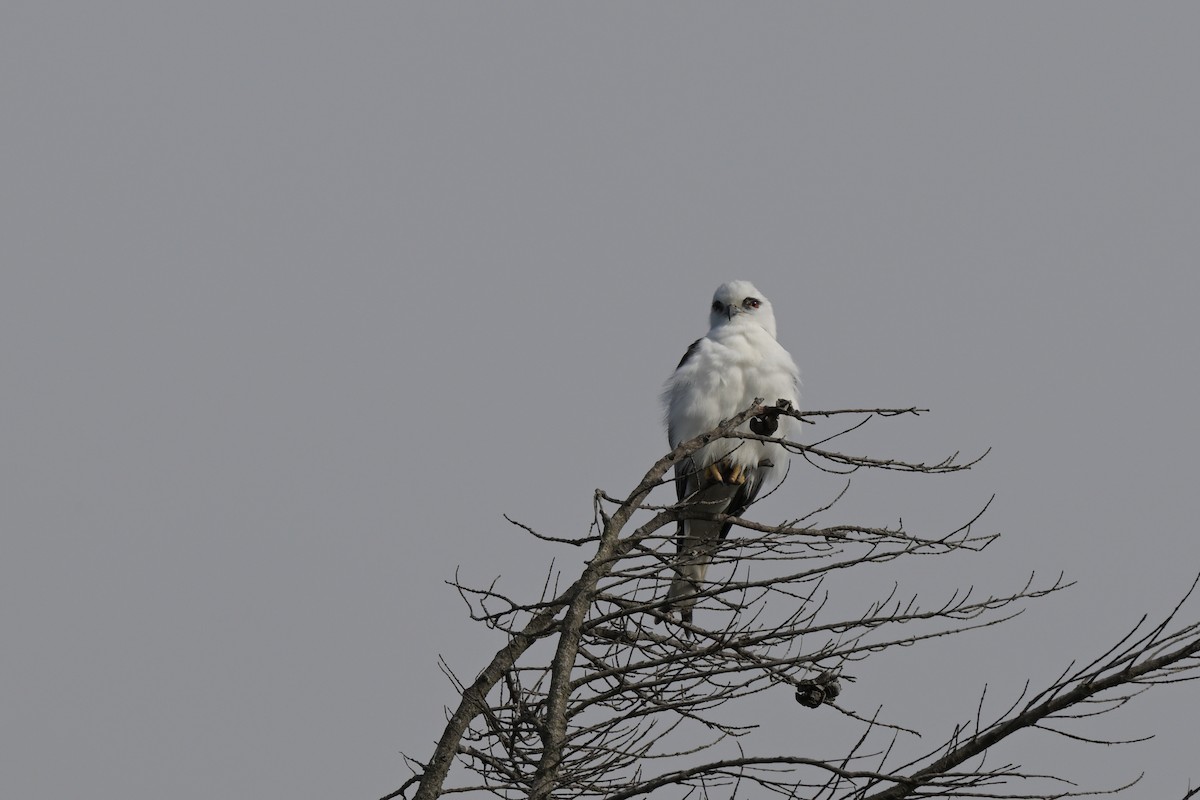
x: 700, y: 542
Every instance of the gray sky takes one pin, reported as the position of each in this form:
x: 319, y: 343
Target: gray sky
x: 296, y: 299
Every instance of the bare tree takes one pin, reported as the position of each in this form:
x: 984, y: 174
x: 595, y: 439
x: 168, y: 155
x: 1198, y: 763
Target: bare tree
x: 601, y: 692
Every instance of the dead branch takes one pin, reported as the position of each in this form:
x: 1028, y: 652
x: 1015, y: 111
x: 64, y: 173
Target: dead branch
x: 600, y: 692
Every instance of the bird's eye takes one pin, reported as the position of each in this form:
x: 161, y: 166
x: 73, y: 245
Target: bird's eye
x: 717, y: 305
x: 751, y: 302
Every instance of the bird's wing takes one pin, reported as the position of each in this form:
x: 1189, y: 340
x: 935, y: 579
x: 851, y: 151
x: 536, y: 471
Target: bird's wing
x: 745, y: 496
x: 693, y: 348
x: 687, y: 482
x: 691, y: 351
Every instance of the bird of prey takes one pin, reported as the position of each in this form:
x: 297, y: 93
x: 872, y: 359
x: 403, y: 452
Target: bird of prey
x: 719, y: 376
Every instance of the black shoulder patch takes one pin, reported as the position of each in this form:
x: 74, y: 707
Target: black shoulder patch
x: 691, y: 351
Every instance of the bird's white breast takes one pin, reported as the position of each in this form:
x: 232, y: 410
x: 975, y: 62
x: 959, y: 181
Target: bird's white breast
x: 729, y: 368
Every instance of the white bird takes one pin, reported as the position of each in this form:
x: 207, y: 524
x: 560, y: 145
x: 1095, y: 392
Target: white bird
x: 719, y: 376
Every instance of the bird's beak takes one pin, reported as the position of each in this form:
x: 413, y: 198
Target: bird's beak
x: 731, y: 310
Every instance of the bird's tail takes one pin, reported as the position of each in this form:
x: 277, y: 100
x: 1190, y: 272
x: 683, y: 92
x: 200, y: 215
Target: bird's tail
x: 701, y: 541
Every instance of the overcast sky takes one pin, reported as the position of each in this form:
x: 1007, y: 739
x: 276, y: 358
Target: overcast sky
x: 296, y: 299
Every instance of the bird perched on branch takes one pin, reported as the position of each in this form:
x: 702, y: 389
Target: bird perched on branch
x: 720, y: 375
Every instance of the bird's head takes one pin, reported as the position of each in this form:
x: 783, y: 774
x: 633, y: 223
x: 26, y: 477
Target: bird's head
x: 739, y: 303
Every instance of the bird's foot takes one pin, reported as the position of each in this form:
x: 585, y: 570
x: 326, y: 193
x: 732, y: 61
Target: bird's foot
x: 724, y: 472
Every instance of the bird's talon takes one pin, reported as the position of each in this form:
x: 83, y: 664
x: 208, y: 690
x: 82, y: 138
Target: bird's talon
x: 712, y: 474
